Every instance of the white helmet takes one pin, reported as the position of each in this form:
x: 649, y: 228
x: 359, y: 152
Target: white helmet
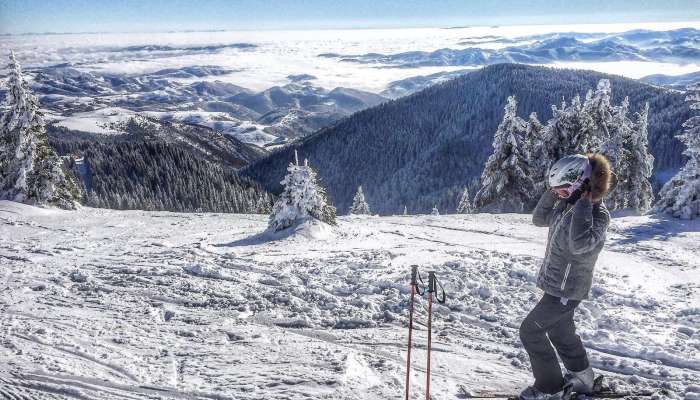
x: 570, y: 170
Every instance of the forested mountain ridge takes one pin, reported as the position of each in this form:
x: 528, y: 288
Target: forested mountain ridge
x: 421, y: 150
x: 202, y: 141
x: 158, y: 165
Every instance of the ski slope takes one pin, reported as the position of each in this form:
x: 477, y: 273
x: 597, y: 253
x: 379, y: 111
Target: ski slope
x: 104, y: 304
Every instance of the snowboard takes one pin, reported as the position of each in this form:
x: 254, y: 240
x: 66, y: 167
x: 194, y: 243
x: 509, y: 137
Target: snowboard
x: 600, y: 392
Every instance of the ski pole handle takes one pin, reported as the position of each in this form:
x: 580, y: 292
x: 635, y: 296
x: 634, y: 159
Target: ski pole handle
x: 415, y: 279
x: 433, y: 285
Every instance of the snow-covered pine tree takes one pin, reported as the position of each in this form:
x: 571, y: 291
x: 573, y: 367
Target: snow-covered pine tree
x: 680, y: 196
x: 598, y: 111
x: 262, y: 206
x: 359, y: 205
x: 534, y: 136
x: 640, y: 195
x: 30, y: 170
x: 435, y: 211
x: 562, y: 130
x: 465, y: 205
x: 506, y: 182
x: 579, y: 128
x: 616, y: 149
x: 301, y: 198
x: 405, y: 210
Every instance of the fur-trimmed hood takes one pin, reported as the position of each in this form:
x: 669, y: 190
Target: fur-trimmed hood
x: 601, y: 176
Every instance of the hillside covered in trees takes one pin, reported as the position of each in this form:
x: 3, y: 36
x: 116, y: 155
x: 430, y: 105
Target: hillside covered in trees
x: 422, y: 150
x: 158, y: 165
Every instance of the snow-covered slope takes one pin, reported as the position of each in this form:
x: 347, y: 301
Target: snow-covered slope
x: 107, y: 304
x: 673, y: 81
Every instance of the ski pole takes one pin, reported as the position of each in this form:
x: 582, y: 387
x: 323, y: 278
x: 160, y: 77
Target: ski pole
x: 431, y: 277
x: 432, y: 288
x: 415, y: 277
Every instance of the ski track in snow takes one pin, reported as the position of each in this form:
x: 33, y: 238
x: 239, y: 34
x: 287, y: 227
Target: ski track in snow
x: 103, y: 304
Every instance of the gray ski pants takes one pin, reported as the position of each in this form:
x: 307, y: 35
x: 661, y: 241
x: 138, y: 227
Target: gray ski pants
x: 552, y: 323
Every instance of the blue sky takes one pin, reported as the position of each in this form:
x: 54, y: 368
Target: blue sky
x: 21, y: 16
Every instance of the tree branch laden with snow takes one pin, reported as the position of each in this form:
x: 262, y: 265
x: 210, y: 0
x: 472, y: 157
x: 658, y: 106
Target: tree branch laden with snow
x: 680, y: 196
x: 30, y: 170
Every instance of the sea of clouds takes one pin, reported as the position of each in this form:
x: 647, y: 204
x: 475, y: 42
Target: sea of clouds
x: 261, y: 59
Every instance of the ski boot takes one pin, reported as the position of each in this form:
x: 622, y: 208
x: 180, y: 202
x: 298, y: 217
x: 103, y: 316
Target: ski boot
x: 582, y: 382
x: 532, y: 393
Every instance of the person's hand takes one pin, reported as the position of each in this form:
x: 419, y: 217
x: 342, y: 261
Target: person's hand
x: 562, y: 193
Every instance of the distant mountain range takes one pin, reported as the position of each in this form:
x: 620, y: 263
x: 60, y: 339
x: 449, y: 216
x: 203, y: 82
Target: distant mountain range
x: 407, y: 86
x: 78, y: 95
x: 421, y: 150
x: 681, y: 45
x: 272, y: 116
x: 673, y: 81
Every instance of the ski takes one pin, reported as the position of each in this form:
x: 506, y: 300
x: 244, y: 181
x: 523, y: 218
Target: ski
x: 601, y: 392
x: 612, y: 395
x: 488, y: 396
x: 600, y: 395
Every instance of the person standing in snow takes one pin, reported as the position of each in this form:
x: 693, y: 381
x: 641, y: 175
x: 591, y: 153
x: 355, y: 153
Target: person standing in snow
x: 577, y: 219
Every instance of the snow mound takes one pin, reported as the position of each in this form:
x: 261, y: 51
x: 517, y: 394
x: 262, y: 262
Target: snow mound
x: 315, y: 229
x: 29, y: 210
x: 203, y: 271
x: 307, y: 228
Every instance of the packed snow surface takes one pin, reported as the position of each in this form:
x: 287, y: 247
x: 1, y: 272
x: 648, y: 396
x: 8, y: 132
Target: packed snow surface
x: 102, y: 304
x: 101, y: 121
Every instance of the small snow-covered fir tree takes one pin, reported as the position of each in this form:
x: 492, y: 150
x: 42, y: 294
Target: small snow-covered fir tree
x: 262, y: 205
x: 30, y: 170
x: 301, y: 198
x: 506, y: 182
x: 435, y: 211
x: 680, y: 196
x: 359, y: 205
x: 405, y: 210
x: 640, y: 195
x: 465, y: 205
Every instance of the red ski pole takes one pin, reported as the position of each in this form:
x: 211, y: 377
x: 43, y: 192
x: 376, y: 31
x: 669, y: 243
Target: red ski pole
x: 430, y: 338
x: 432, y: 287
x: 414, y: 288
